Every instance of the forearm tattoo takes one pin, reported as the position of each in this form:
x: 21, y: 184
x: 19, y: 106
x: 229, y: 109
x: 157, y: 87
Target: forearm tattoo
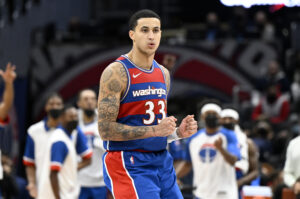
x: 112, y: 83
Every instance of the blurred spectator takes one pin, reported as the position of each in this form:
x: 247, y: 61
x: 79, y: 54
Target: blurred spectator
x: 91, y: 177
x: 213, y: 28
x: 229, y: 120
x: 239, y: 23
x: 61, y: 163
x: 8, y: 76
x: 273, y: 107
x: 13, y: 186
x: 292, y: 163
x: 295, y: 91
x: 263, y: 27
x: 262, y: 138
x: 213, y: 152
x: 37, y: 139
x: 169, y: 61
x: 274, y: 76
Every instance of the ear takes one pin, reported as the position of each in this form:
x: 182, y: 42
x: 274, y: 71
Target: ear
x: 131, y: 35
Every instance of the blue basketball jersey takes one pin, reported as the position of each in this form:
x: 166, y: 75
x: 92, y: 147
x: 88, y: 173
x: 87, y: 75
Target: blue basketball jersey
x: 144, y: 103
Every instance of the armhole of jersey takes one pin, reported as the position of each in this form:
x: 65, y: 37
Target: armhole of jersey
x: 163, y: 72
x: 128, y: 81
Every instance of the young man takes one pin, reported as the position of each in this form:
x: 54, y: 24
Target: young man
x: 91, y: 177
x: 213, y: 152
x: 133, y: 122
x: 63, y: 159
x: 39, y: 134
x: 9, y: 75
x: 247, y: 167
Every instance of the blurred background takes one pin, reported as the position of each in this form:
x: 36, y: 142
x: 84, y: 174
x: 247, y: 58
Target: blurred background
x: 229, y: 53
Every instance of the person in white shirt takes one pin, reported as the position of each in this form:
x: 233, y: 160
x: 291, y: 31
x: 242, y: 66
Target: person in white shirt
x: 212, y: 153
x: 62, y: 163
x: 291, y: 171
x: 8, y: 76
x: 91, y: 177
x: 39, y: 134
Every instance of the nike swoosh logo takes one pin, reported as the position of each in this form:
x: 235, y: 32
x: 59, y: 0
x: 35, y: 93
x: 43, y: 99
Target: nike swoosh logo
x: 135, y: 76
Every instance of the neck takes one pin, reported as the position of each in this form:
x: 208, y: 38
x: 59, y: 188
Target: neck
x: 52, y: 123
x: 211, y: 130
x: 141, y: 59
x: 87, y: 119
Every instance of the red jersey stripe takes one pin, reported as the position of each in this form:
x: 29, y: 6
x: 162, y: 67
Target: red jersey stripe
x: 140, y: 107
x: 137, y: 76
x: 27, y: 163
x: 122, y: 186
x: 55, y: 168
x: 88, y: 155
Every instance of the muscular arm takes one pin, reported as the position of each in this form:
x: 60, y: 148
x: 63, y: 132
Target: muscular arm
x: 113, y: 83
x: 253, y: 165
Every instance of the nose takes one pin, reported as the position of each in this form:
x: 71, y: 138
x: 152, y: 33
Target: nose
x: 151, y: 35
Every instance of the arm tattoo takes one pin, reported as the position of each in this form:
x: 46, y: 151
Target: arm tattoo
x: 112, y: 84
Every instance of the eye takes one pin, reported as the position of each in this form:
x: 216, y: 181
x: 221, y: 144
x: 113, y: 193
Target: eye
x: 156, y: 30
x: 144, y: 30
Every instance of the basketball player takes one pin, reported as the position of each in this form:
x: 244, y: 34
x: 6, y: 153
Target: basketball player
x: 133, y: 120
x: 9, y: 75
x: 91, y: 177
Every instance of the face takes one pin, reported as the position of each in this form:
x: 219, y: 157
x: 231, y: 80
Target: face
x: 70, y: 115
x: 146, y: 35
x: 54, y: 103
x: 87, y: 100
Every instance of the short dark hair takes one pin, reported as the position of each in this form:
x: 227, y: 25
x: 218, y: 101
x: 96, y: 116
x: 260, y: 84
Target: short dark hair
x: 145, y: 13
x: 54, y: 95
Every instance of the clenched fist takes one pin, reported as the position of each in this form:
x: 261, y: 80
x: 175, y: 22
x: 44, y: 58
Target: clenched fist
x: 187, y: 127
x: 166, y: 127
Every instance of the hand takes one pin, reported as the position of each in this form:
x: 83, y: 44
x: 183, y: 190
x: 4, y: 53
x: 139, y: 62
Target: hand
x: 166, y: 127
x: 187, y: 127
x: 218, y: 143
x: 32, y: 190
x: 9, y: 75
x: 296, y: 188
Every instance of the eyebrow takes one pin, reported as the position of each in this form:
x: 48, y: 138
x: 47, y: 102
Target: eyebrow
x: 148, y: 27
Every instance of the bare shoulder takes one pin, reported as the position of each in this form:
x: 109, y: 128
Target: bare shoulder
x: 167, y: 76
x: 166, y: 71
x: 114, y: 75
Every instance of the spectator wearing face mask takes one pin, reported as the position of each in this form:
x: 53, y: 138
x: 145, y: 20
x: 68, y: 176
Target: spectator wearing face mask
x: 273, y: 107
x: 212, y: 153
x: 91, y: 177
x: 247, y: 167
x: 59, y: 172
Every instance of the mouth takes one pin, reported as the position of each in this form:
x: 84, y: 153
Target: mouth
x: 151, y: 45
